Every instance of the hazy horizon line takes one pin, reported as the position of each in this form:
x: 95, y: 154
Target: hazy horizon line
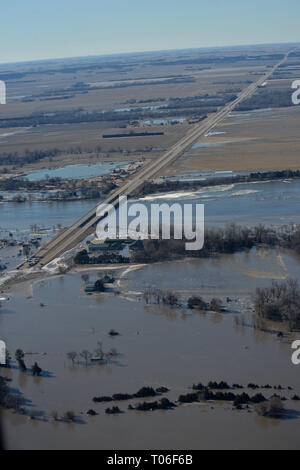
x: 116, y: 54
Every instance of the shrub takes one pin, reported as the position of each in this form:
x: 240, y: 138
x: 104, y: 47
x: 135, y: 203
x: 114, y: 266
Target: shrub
x: 197, y: 302
x: 273, y: 409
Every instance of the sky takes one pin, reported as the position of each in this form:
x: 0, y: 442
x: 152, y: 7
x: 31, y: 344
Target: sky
x: 44, y: 29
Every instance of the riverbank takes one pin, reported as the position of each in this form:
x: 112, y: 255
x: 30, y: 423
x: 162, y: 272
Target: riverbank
x: 58, y: 189
x: 176, y: 186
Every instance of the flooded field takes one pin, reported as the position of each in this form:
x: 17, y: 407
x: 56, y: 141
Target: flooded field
x: 77, y: 171
x: 157, y: 346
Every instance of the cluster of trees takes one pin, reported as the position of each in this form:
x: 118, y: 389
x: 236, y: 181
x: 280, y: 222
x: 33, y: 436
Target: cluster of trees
x: 29, y: 156
x: 158, y: 296
x: 99, y: 285
x: 206, y: 394
x: 98, y: 355
x: 65, y: 189
x: 131, y: 134
x: 292, y: 241
x: 162, y: 404
x: 201, y: 101
x: 280, y: 302
x: 35, y: 369
x: 190, y: 105
x: 217, y: 240
x: 222, y: 385
x: 82, y: 257
x: 197, y: 302
x: 229, y: 239
x: 273, y: 409
x: 267, y: 98
x: 115, y: 410
x: 34, y: 156
x: 213, y: 391
x: 144, y: 392
x: 106, y: 258
x: 79, y: 116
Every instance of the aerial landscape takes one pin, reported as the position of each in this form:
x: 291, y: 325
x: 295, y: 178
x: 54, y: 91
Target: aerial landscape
x: 118, y: 337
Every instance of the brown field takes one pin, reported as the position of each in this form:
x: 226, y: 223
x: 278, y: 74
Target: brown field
x: 143, y: 81
x: 261, y: 141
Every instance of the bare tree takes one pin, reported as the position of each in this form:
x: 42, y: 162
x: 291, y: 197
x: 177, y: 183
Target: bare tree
x: 72, y: 355
x: 154, y: 295
x: 54, y: 415
x: 112, y: 353
x: 69, y: 416
x: 99, y: 351
x: 170, y: 298
x: 19, y: 355
x: 86, y: 356
x: 273, y: 409
x: 216, y: 305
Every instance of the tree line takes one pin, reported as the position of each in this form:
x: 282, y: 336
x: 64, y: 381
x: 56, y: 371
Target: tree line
x: 150, y: 187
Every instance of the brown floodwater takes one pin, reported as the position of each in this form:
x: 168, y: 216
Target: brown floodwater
x: 158, y: 346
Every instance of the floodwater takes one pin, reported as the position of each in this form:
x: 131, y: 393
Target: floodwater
x: 158, y: 346
x: 45, y: 214
x: 215, y: 144
x: 79, y: 171
x: 269, y: 202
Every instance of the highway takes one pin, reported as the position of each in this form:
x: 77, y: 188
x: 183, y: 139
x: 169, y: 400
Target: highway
x: 71, y: 236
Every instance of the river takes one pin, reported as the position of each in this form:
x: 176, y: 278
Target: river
x: 271, y: 203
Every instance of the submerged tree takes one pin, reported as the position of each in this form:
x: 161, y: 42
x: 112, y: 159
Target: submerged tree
x: 216, y: 305
x: 69, y: 416
x: 86, y: 355
x: 19, y: 355
x: 72, y: 355
x: 99, y: 353
x: 36, y: 370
